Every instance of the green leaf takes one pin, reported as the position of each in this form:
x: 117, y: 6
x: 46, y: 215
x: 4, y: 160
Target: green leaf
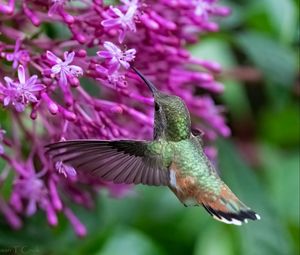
x: 216, y: 49
x: 4, y: 119
x: 281, y: 169
x: 284, y: 26
x: 267, y: 236
x: 129, y: 241
x: 280, y: 126
x: 276, y: 17
x: 215, y: 241
x: 284, y: 16
x: 257, y: 17
x: 56, y: 30
x: 110, y: 2
x: 7, y: 184
x: 277, y: 62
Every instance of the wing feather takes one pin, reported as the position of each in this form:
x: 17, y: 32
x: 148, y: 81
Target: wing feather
x: 118, y: 161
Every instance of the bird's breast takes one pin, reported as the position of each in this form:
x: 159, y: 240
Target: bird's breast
x: 184, y: 186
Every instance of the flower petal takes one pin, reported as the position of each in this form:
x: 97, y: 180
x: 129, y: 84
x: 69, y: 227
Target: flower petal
x: 131, y: 26
x: 101, y: 69
x: 129, y: 54
x: 21, y: 74
x: 17, y: 46
x: 31, y: 81
x: 69, y: 57
x: 122, y: 35
x: 31, y: 207
x: 131, y: 12
x: 63, y: 79
x: 53, y: 9
x: 117, y: 12
x: 37, y: 87
x: 10, y: 56
x: 110, y: 22
x: 124, y: 64
x: 30, y: 97
x: 104, y: 54
x: 6, y: 101
x: 15, y: 63
x: 19, y: 106
x: 113, y: 67
x: 52, y: 57
x: 8, y: 80
x: 56, y: 69
x: 112, y: 48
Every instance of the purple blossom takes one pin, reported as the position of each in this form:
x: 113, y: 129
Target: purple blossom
x: 8, y: 8
x: 112, y: 80
x: 34, y: 190
x: 130, y: 3
x: 125, y: 22
x: 19, y: 94
x: 202, y: 7
x: 65, y: 170
x: 79, y: 228
x: 116, y: 56
x: 11, y: 216
x: 18, y: 56
x: 56, y: 6
x: 63, y: 69
x: 157, y: 35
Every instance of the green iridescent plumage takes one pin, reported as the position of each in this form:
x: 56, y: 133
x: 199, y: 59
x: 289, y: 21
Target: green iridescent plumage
x: 174, y: 158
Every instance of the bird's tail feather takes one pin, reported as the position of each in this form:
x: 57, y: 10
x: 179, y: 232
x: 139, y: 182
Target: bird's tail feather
x: 228, y: 208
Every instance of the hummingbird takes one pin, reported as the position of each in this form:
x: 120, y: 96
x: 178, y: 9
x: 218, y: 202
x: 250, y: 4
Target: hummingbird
x: 174, y: 158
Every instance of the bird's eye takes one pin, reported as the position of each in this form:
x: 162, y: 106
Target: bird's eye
x: 156, y: 106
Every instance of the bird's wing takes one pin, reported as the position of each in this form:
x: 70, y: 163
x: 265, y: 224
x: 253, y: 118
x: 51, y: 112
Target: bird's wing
x: 118, y: 161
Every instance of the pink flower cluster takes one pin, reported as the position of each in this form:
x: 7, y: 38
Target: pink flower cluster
x: 79, y: 86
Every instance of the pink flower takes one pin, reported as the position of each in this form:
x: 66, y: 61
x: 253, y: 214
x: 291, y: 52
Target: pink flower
x: 63, y: 68
x: 7, y: 8
x: 113, y: 80
x: 65, y: 170
x: 56, y: 6
x: 124, y: 21
x: 130, y: 3
x: 120, y: 109
x: 18, y: 56
x: 202, y: 8
x: 117, y: 56
x: 19, y: 94
x: 33, y: 189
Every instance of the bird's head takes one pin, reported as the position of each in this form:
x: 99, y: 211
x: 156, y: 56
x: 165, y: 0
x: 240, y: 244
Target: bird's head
x: 172, y: 118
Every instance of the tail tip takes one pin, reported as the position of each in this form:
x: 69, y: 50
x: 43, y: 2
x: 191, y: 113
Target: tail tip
x: 237, y: 219
x: 257, y: 216
x: 233, y: 218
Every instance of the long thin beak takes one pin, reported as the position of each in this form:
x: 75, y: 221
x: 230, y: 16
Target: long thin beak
x: 148, y: 83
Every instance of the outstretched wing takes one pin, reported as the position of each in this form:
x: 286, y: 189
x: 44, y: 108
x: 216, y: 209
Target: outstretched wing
x: 118, y: 161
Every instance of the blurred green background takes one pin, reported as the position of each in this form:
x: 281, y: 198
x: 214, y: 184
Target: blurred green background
x: 259, y: 49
